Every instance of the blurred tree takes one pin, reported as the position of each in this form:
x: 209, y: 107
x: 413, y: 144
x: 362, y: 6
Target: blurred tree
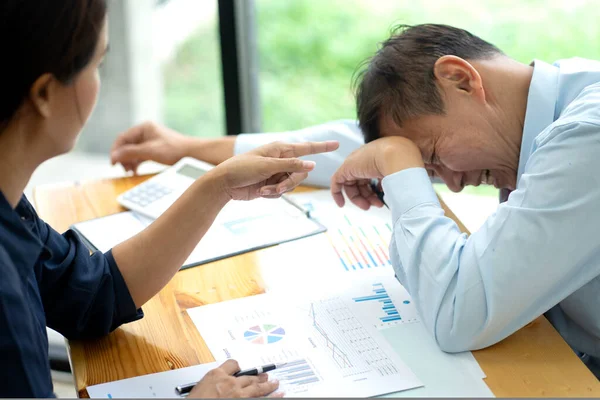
x: 310, y: 49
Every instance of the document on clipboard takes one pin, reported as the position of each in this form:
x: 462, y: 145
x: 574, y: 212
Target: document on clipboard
x: 241, y: 227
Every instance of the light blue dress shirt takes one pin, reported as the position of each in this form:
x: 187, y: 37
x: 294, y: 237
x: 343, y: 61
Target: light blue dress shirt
x: 538, y: 253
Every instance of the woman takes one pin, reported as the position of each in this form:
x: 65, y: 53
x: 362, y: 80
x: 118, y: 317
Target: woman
x: 51, y: 54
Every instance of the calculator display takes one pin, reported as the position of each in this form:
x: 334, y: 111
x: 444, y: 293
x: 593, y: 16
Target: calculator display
x: 190, y: 171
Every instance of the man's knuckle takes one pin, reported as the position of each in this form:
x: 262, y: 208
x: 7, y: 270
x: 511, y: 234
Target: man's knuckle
x: 151, y: 125
x: 212, y: 374
x: 231, y: 380
x: 254, y: 390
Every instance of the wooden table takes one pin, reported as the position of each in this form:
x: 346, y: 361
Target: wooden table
x: 533, y: 362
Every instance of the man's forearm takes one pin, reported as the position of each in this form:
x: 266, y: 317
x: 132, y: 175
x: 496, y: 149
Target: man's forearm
x: 150, y: 259
x: 212, y: 151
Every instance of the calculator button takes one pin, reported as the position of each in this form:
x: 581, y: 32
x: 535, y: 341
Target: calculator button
x: 147, y: 193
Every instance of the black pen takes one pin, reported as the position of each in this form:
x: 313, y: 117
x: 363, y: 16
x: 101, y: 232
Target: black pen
x: 185, y: 389
x: 258, y: 370
x: 379, y: 193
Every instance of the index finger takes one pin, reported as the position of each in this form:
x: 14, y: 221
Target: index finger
x: 306, y: 148
x: 290, y: 150
x: 336, y: 191
x: 131, y: 135
x: 230, y: 367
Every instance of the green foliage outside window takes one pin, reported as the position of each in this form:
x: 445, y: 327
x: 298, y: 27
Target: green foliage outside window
x: 310, y: 49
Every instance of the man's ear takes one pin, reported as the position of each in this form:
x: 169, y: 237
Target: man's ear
x: 41, y: 94
x: 455, y: 73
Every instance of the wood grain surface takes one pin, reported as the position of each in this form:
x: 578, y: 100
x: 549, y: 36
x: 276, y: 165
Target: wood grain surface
x: 533, y: 362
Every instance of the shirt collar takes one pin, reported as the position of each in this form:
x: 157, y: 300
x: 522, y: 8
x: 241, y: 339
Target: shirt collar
x: 541, y: 106
x: 21, y: 243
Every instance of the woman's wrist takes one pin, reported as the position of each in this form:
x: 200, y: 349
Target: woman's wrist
x: 215, y: 182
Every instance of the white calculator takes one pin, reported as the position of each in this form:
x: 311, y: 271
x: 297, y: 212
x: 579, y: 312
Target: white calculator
x: 152, y: 197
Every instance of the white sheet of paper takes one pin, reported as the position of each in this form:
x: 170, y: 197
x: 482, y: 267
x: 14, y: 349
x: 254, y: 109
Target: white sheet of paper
x: 341, y: 352
x: 443, y: 374
x: 159, y: 385
x: 359, y: 239
x: 311, y: 262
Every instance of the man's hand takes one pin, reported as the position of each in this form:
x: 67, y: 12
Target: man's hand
x: 153, y: 142
x: 220, y: 383
x: 377, y: 159
x: 268, y: 171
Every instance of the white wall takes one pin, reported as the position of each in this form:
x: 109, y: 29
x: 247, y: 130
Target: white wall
x: 131, y: 77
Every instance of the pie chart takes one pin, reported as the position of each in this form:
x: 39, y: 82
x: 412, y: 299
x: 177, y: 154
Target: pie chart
x: 264, y: 334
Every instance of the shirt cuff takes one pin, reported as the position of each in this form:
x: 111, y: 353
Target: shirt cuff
x: 125, y: 309
x: 244, y: 142
x: 407, y: 189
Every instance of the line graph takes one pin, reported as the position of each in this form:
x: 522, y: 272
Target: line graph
x: 337, y: 354
x: 350, y: 345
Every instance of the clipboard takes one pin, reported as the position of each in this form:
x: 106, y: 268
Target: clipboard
x: 239, y: 229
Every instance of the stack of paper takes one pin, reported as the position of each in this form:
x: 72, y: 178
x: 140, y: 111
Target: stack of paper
x: 332, y: 345
x: 337, y: 316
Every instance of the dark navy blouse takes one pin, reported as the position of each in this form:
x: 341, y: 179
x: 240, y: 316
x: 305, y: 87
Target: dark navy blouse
x: 49, y: 279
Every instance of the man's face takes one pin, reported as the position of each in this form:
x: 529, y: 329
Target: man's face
x: 460, y: 147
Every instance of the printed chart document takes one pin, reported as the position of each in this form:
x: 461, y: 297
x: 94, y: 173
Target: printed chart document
x: 240, y: 227
x: 443, y: 374
x: 360, y: 239
x: 160, y: 385
x: 332, y: 345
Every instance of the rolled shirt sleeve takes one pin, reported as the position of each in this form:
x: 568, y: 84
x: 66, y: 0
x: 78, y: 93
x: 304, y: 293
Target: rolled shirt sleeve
x: 84, y: 295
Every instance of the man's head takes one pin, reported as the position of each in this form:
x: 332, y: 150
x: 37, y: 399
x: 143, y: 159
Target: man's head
x: 426, y: 83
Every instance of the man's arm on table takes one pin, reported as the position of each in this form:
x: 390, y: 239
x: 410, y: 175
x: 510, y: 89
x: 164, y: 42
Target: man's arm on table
x: 151, y: 141
x: 537, y: 249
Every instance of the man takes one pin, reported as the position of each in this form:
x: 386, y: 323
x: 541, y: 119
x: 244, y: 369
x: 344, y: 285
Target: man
x: 438, y: 101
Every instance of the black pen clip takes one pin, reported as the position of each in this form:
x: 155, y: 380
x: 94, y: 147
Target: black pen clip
x: 375, y: 188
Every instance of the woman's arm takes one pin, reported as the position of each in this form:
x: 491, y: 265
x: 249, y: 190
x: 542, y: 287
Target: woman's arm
x: 150, y: 259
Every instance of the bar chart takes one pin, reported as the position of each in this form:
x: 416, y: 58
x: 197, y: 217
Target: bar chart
x: 361, y: 246
x: 383, y: 309
x: 296, y: 376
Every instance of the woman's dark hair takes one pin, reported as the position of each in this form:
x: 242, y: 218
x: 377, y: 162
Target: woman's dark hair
x: 44, y: 36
